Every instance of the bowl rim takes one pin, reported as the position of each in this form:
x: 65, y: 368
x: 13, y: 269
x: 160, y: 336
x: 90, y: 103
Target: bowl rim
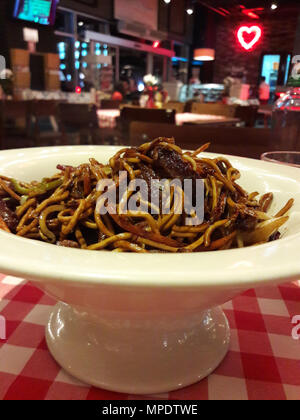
x: 255, y: 265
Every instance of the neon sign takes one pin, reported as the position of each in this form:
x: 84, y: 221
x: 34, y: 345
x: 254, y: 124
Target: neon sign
x: 249, y: 36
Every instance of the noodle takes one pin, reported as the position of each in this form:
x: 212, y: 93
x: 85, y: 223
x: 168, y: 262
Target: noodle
x: 82, y: 216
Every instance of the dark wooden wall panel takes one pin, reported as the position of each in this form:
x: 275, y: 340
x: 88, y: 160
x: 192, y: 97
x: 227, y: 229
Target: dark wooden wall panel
x: 101, y: 9
x: 163, y: 16
x: 297, y: 40
x: 177, y: 23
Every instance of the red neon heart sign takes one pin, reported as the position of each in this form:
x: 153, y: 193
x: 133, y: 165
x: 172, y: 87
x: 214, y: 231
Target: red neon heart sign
x: 244, y: 34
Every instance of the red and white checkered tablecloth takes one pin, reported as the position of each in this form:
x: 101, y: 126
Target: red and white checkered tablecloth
x: 263, y: 361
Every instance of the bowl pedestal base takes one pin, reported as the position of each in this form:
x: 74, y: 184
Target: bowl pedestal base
x: 135, y: 354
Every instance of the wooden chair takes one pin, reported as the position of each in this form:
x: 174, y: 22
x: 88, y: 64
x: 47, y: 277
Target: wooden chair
x: 43, y: 122
x: 179, y: 107
x: 164, y: 116
x: 123, y: 105
x: 266, y: 112
x: 247, y: 114
x: 188, y: 105
x: 247, y: 142
x: 110, y: 104
x: 78, y: 122
x: 214, y: 109
x: 128, y: 115
x: 14, y: 117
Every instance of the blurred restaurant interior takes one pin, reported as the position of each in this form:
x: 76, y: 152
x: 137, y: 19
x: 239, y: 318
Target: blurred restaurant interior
x: 119, y: 72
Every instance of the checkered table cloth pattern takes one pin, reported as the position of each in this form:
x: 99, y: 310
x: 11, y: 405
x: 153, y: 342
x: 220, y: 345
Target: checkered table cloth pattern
x: 263, y: 361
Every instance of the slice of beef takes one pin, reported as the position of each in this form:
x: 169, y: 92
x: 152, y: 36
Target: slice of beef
x: 275, y: 236
x: 222, y: 168
x: 246, y: 222
x: 169, y: 164
x: 8, y: 216
x: 148, y: 175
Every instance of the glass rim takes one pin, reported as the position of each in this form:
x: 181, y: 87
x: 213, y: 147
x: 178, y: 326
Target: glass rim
x: 265, y: 157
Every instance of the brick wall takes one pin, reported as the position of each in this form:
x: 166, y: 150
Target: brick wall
x: 279, y: 32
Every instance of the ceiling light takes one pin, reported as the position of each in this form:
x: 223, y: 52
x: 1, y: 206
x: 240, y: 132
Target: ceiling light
x: 80, y: 23
x: 274, y: 6
x: 204, y: 54
x: 167, y: 1
x: 189, y: 11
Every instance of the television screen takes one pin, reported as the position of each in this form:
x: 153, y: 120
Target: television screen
x: 38, y: 11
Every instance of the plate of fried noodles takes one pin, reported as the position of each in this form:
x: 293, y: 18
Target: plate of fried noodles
x: 62, y: 209
x: 51, y: 214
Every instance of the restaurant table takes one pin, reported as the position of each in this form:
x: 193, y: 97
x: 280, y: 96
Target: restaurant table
x: 266, y: 111
x: 108, y: 118
x: 263, y: 361
x: 203, y: 119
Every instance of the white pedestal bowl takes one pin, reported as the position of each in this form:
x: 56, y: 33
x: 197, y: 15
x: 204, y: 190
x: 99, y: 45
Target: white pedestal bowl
x: 146, y: 324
